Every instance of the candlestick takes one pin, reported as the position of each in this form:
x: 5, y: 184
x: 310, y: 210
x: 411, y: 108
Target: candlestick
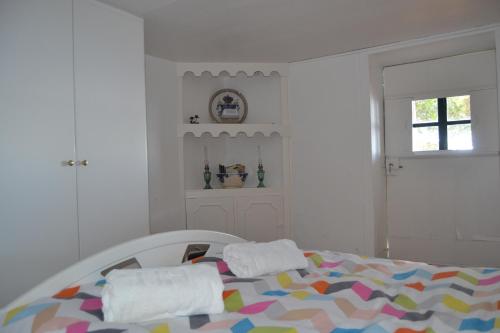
x: 260, y: 175
x: 205, y: 153
x: 207, y: 176
x: 260, y: 169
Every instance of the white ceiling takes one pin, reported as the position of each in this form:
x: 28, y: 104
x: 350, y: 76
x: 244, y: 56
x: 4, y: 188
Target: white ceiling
x: 292, y: 30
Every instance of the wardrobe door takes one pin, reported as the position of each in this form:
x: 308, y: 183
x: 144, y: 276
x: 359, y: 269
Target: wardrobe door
x: 110, y: 126
x: 38, y: 227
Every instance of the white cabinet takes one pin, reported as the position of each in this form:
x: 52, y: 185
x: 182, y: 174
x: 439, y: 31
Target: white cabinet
x: 71, y: 89
x: 259, y: 218
x: 215, y: 214
x: 254, y: 216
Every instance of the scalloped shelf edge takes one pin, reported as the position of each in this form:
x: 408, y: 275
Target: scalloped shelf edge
x: 244, y: 191
x: 233, y: 69
x: 233, y: 130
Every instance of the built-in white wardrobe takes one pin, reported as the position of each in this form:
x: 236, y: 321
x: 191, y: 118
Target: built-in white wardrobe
x: 73, y: 164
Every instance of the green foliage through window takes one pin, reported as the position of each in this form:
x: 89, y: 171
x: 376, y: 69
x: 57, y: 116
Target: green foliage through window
x: 442, y: 124
x: 425, y: 111
x: 458, y: 107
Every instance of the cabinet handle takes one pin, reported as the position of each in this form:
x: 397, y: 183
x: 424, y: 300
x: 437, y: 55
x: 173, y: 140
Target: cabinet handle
x: 70, y: 163
x: 84, y: 162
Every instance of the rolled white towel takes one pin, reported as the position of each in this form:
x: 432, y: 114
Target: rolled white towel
x: 137, y: 295
x: 252, y: 259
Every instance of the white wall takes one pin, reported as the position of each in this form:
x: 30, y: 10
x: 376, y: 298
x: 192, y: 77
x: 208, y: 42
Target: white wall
x: 330, y: 122
x: 338, y: 157
x: 166, y: 204
x: 337, y: 151
x: 338, y: 199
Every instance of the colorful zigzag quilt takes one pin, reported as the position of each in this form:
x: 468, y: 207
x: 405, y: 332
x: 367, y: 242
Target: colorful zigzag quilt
x: 338, y: 293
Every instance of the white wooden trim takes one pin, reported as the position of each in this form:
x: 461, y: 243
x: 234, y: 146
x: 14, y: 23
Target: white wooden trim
x: 446, y: 153
x: 180, y: 147
x: 233, y: 192
x: 364, y: 95
x: 440, y: 93
x: 215, y: 69
x: 150, y: 251
x: 285, y: 120
x: 497, y: 50
x: 232, y: 130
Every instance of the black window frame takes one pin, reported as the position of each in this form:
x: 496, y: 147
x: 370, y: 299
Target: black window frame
x: 442, y: 122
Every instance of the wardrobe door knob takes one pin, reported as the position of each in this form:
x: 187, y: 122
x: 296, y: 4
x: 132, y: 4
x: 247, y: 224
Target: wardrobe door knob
x: 84, y: 162
x: 70, y: 163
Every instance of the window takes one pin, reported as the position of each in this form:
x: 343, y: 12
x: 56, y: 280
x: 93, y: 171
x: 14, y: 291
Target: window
x: 441, y: 124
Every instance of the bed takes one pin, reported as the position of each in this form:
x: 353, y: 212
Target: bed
x: 337, y: 292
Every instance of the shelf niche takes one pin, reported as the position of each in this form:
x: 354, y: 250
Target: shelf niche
x: 263, y: 95
x: 225, y: 149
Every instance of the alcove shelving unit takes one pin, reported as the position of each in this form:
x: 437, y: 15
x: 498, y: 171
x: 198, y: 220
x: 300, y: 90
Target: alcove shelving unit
x: 260, y: 214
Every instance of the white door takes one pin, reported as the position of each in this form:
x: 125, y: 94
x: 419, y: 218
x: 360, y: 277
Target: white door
x: 443, y: 204
x: 111, y: 126
x: 38, y: 227
x: 215, y: 214
x: 260, y: 218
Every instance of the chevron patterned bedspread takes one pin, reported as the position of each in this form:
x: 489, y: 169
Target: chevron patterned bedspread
x: 340, y: 293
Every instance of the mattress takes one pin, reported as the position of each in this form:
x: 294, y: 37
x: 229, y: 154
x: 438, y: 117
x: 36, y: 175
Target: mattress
x: 341, y: 293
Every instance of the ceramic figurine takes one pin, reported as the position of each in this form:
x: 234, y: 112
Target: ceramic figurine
x: 194, y: 119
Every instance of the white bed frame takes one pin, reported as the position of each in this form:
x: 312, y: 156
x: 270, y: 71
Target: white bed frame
x: 165, y: 249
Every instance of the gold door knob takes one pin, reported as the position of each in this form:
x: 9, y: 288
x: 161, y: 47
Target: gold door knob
x: 70, y: 163
x: 84, y: 162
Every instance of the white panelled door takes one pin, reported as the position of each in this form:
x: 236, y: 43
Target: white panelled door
x: 38, y: 228
x: 443, y: 206
x: 111, y: 126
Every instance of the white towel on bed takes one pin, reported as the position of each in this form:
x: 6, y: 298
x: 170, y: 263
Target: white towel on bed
x: 252, y: 259
x: 137, y: 295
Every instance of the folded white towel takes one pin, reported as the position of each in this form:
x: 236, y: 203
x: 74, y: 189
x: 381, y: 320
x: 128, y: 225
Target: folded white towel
x: 252, y: 259
x: 136, y: 295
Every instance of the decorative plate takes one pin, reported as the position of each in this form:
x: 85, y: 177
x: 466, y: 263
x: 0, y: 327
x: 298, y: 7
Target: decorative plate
x: 228, y: 106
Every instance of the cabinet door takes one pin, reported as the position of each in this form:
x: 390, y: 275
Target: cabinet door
x: 260, y: 218
x: 110, y: 126
x: 211, y: 214
x: 38, y: 227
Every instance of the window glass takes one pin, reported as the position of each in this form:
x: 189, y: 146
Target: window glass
x: 458, y: 107
x: 459, y: 137
x: 425, y: 111
x: 442, y: 123
x: 426, y: 138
